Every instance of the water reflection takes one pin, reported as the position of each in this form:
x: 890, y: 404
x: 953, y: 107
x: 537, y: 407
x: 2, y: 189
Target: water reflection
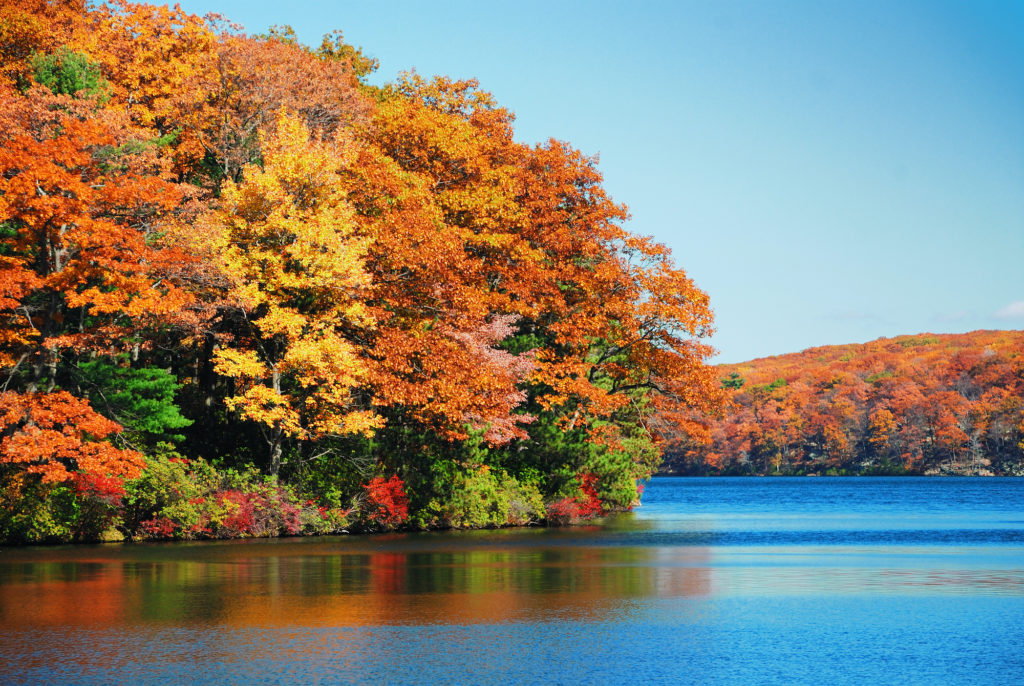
x: 345, y: 582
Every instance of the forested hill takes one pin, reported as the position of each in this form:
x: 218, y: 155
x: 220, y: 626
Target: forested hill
x: 245, y: 292
x: 925, y: 404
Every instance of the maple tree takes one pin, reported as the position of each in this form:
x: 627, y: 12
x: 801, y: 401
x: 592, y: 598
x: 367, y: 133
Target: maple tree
x: 438, y: 324
x: 78, y: 208
x: 609, y: 320
x: 56, y: 435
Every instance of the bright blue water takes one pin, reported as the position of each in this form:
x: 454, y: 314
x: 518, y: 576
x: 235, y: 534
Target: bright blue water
x: 712, y: 581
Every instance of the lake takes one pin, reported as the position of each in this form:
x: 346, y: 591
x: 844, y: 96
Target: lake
x: 711, y: 581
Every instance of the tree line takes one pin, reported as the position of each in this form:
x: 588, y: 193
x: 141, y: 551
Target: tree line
x: 925, y: 404
x: 244, y: 292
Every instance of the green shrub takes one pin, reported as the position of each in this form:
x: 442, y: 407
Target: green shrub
x: 34, y: 512
x: 481, y: 497
x: 169, y: 497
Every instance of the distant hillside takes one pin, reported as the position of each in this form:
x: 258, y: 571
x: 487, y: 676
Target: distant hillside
x: 925, y: 404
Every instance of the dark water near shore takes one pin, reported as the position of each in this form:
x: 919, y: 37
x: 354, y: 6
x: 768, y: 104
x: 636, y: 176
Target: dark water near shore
x: 712, y: 581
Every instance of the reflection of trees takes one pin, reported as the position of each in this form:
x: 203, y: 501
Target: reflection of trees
x: 62, y: 593
x: 303, y: 584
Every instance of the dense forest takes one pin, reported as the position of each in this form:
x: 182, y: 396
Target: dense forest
x: 244, y: 292
x: 926, y: 404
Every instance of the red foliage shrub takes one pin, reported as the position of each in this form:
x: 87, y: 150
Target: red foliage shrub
x: 108, y: 490
x: 563, y: 511
x: 100, y: 498
x: 290, y: 514
x: 267, y: 511
x: 241, y: 520
x: 161, y: 527
x: 567, y: 510
x: 590, y: 505
x: 386, y: 502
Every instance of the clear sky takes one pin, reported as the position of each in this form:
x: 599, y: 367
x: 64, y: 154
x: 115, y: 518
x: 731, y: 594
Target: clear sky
x: 829, y: 172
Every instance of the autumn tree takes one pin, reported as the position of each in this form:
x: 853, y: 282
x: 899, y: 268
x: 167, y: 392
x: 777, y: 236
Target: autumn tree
x: 434, y: 356
x: 81, y: 202
x: 80, y: 210
x: 286, y: 240
x: 159, y: 61
x: 611, y: 319
x: 56, y: 435
x: 252, y: 79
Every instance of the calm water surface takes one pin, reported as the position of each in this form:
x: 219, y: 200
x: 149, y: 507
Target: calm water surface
x: 712, y: 581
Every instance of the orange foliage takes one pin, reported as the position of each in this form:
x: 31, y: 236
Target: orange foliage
x: 151, y: 55
x: 933, y: 403
x: 82, y: 219
x: 529, y: 232
x: 252, y: 80
x: 57, y: 435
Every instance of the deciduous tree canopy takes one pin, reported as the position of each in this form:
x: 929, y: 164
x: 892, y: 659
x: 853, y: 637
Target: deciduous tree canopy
x: 227, y: 246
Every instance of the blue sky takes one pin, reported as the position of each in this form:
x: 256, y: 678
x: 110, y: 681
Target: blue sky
x: 829, y: 172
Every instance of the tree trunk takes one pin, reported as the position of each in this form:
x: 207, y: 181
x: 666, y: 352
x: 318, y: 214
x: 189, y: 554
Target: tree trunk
x: 277, y: 431
x: 275, y: 450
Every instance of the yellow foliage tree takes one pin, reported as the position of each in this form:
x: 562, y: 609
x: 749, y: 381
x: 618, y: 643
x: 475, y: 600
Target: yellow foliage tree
x: 287, y: 242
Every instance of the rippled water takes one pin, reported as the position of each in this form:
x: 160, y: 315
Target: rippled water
x: 712, y: 581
